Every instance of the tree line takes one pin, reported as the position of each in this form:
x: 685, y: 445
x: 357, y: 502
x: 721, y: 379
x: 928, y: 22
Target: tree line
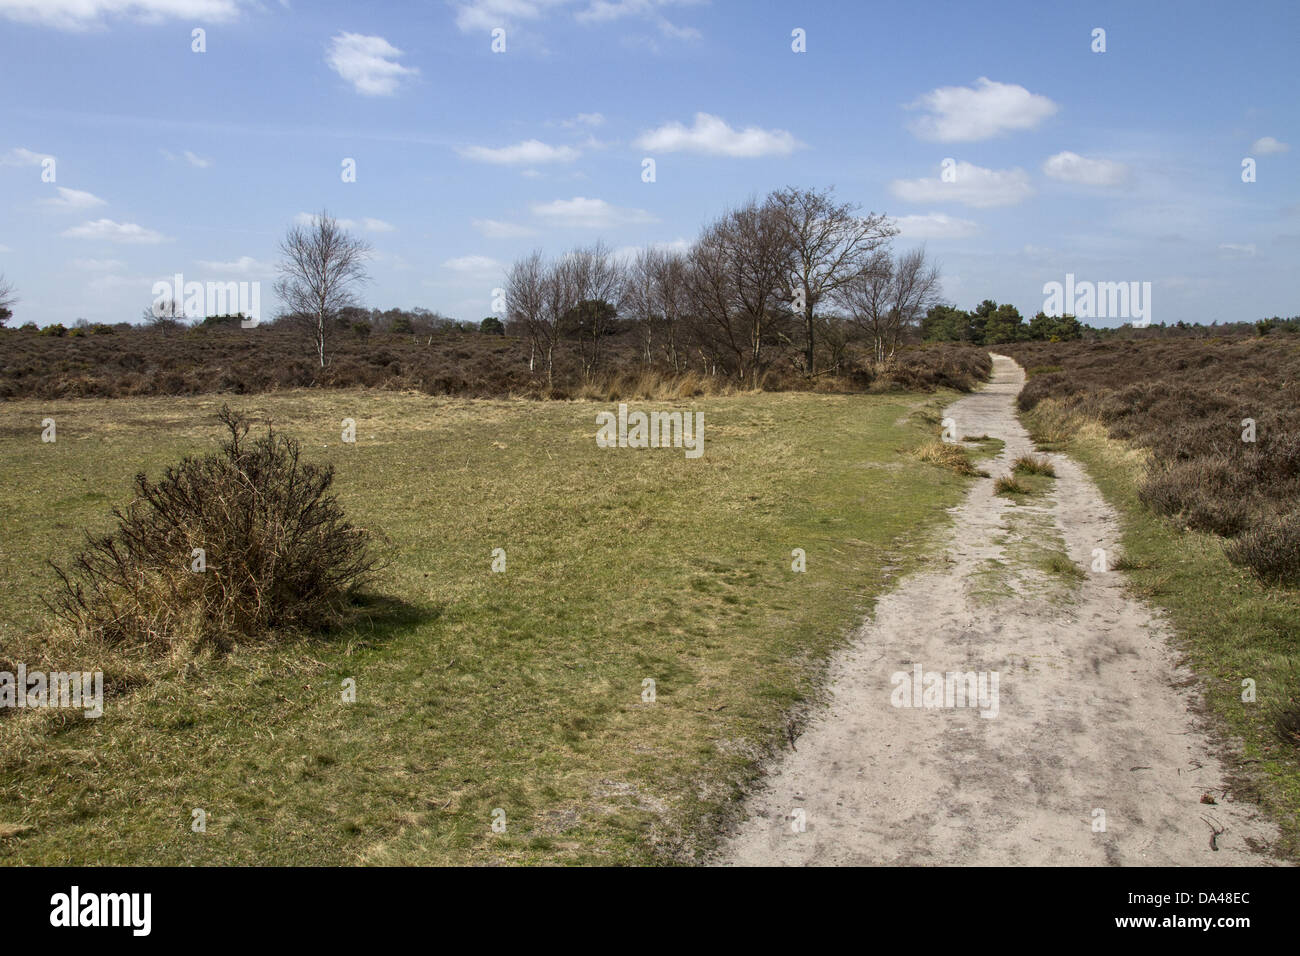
x: 794, y: 278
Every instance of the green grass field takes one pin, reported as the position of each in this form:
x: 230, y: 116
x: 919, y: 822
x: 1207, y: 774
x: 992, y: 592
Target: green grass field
x: 476, y: 691
x: 1231, y: 627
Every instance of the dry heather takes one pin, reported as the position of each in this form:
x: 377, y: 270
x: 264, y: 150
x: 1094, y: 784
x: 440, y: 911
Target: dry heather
x: 1221, y: 418
x: 120, y: 361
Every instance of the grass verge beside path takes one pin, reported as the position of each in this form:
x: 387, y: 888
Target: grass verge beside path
x: 476, y: 691
x: 1232, y: 627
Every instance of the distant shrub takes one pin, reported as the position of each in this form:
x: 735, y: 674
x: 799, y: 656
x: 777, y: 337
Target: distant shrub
x: 1203, y: 493
x: 55, y: 329
x: 279, y: 553
x: 1271, y: 549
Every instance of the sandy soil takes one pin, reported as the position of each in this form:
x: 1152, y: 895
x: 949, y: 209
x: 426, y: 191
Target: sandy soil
x: 1093, y: 712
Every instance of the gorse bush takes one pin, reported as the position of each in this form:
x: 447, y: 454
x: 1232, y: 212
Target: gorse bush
x: 277, y: 552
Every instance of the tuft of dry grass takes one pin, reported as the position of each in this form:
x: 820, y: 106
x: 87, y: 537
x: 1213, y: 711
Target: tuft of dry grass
x: 1010, y: 485
x: 949, y: 456
x: 1031, y: 465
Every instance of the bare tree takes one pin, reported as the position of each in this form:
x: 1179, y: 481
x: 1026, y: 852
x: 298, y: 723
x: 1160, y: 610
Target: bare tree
x: 672, y: 303
x: 915, y: 288
x: 319, y: 267
x: 867, y: 297
x: 737, y: 278
x: 595, y: 282
x: 7, y: 301
x: 890, y: 296
x: 640, y: 297
x: 558, y: 299
x: 830, y: 245
x: 526, y: 299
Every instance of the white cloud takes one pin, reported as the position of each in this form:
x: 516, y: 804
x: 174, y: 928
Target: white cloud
x: 74, y: 199
x: 23, y: 157
x: 588, y: 213
x: 1267, y: 144
x: 368, y: 224
x: 84, y: 14
x: 110, y: 231
x: 243, y: 266
x: 474, y: 265
x: 369, y: 63
x: 584, y: 119
x: 1073, y: 168
x: 98, y: 265
x: 962, y: 114
x: 1233, y: 250
x: 198, y: 161
x: 936, y: 225
x: 528, y: 152
x: 484, y: 15
x: 604, y: 11
x: 711, y: 135
x: 496, y: 229
x: 474, y: 16
x: 628, y: 253
x: 974, y: 186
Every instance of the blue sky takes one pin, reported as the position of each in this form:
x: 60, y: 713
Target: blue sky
x: 1115, y: 166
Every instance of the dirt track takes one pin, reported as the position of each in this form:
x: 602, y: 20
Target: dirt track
x: 1092, y: 712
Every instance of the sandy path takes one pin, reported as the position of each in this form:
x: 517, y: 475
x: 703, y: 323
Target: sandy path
x: 1093, y: 714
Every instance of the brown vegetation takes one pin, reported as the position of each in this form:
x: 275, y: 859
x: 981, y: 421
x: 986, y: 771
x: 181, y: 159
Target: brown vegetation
x: 216, y: 357
x: 1220, y: 417
x: 225, y: 547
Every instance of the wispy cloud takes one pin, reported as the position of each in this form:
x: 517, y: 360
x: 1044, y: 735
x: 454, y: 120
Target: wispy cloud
x: 18, y: 156
x: 243, y: 266
x: 712, y: 136
x: 109, y: 231
x: 369, y: 63
x: 528, y: 152
x: 86, y: 14
x: 496, y: 229
x: 588, y: 213
x: 483, y: 15
x: 936, y: 225
x: 71, y: 200
x: 584, y: 119
x: 98, y: 265
x: 1236, y: 250
x: 474, y: 265
x: 367, y: 224
x: 1267, y: 144
x: 973, y: 186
